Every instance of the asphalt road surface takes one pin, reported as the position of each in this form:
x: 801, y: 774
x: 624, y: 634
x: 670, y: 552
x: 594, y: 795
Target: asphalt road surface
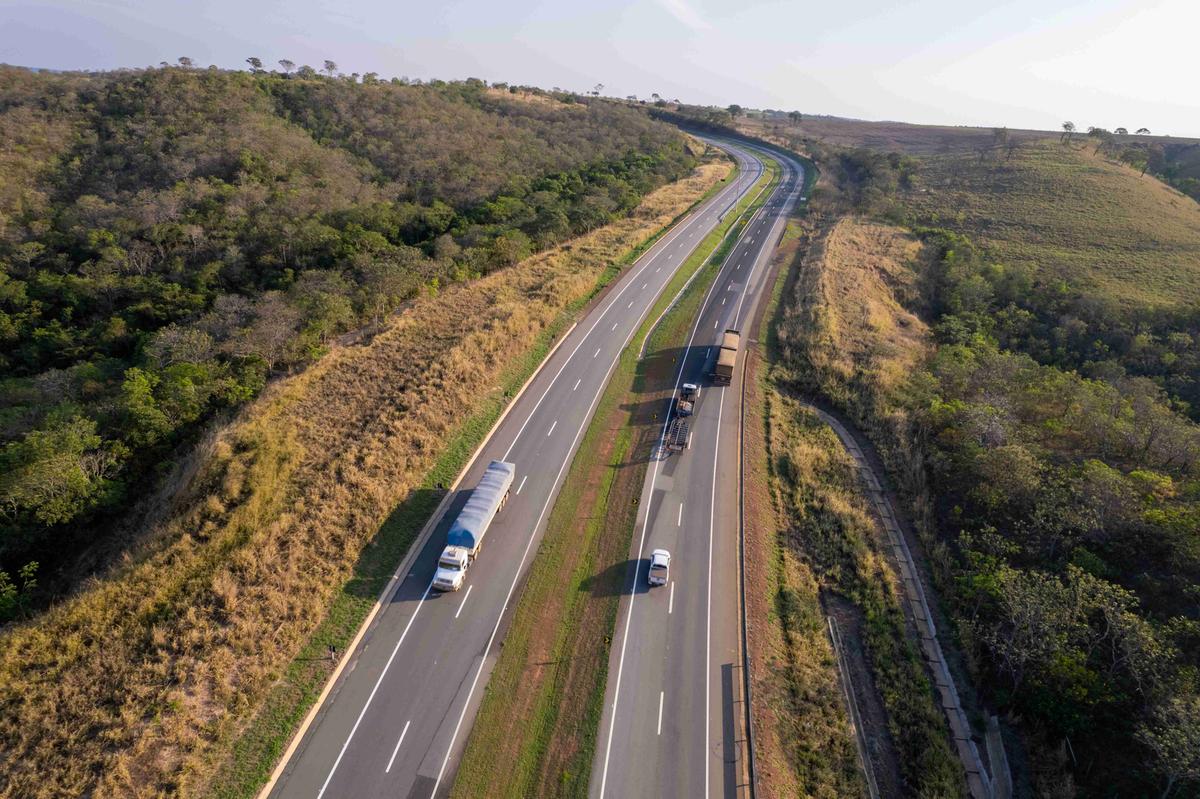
x: 670, y: 725
x: 396, y: 720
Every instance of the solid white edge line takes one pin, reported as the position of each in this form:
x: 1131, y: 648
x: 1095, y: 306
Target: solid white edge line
x: 521, y: 565
x: 651, y: 257
x: 463, y: 604
x: 397, y: 749
x: 371, y: 697
x: 395, y: 581
x: 712, y: 513
x: 642, y: 545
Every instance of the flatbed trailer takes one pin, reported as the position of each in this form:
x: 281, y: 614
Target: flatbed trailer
x: 678, y: 434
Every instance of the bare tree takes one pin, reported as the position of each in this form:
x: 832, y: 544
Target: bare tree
x: 599, y: 87
x: 330, y: 67
x: 186, y: 62
x: 255, y: 64
x: 795, y: 116
x: 1102, y: 137
x: 1121, y: 131
x: 1068, y: 131
x: 1000, y: 139
x: 1143, y: 131
x: 288, y: 66
x: 179, y: 344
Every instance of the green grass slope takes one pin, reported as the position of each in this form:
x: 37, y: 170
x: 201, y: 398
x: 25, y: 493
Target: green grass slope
x: 1063, y: 211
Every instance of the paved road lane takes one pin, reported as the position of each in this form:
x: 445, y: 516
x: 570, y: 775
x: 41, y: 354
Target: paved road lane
x: 396, y: 720
x: 670, y: 723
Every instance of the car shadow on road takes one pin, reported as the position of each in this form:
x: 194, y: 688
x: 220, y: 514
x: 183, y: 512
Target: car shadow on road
x: 618, y: 578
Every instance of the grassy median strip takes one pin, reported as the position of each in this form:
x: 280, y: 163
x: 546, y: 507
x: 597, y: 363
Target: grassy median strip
x: 258, y: 748
x: 541, y: 710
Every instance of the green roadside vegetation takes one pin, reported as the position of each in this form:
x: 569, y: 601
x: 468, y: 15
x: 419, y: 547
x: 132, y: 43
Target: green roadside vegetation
x: 542, y: 706
x: 172, y: 239
x: 258, y: 749
x: 1018, y: 335
x: 169, y: 656
x: 804, y: 742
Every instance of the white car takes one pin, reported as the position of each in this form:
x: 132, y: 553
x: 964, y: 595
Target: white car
x: 660, y: 567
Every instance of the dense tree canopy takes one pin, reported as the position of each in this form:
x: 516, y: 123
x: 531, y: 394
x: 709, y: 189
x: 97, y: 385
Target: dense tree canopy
x: 170, y: 237
x: 1073, y: 504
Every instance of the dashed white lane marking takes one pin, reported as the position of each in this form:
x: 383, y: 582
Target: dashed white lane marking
x: 716, y: 322
x: 522, y: 485
x: 660, y: 703
x: 630, y: 305
x: 615, y: 325
x: 551, y: 430
x: 723, y: 300
x: 397, y: 749
x: 657, y: 268
x: 462, y: 604
x: 597, y: 352
x: 679, y: 518
x: 378, y: 681
x: 644, y: 286
x: 577, y: 382
x: 671, y: 602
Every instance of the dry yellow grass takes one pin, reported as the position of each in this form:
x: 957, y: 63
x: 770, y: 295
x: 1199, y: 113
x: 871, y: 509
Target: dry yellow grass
x: 135, y: 685
x: 845, y: 317
x: 804, y: 744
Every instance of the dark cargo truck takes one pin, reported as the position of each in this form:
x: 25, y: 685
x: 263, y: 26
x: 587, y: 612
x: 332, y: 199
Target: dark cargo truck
x: 726, y: 358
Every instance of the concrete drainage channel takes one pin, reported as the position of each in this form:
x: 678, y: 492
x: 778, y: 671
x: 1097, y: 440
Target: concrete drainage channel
x: 981, y: 783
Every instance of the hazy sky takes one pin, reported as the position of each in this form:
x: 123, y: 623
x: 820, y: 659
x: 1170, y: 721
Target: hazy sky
x: 1025, y: 63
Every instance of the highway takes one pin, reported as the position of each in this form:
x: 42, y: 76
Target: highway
x: 397, y: 716
x: 670, y: 722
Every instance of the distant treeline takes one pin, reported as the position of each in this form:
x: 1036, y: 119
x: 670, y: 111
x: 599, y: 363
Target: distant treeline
x: 169, y: 238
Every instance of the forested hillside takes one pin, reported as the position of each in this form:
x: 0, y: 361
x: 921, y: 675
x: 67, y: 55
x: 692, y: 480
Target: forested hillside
x: 171, y: 238
x: 1040, y: 432
x: 1091, y: 266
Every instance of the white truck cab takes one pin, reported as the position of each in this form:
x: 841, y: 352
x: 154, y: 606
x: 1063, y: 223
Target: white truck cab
x: 452, y: 568
x: 660, y: 567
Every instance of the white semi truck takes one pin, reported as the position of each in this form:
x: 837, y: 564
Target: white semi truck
x: 465, y: 537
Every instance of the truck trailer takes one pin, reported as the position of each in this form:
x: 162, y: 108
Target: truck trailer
x: 465, y: 537
x: 726, y: 357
